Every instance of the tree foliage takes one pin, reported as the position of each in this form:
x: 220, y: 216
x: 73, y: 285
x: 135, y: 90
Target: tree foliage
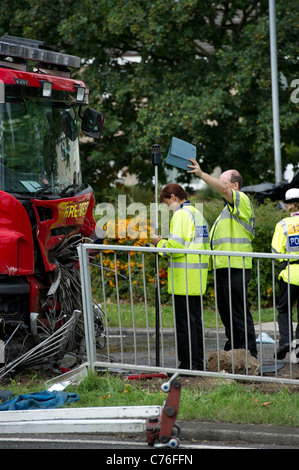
x: 204, y: 76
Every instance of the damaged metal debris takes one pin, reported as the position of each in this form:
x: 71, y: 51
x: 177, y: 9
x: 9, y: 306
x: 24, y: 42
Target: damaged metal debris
x: 57, y: 332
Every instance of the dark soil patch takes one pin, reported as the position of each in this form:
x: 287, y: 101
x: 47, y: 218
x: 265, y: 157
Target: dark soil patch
x: 240, y: 360
x: 210, y: 383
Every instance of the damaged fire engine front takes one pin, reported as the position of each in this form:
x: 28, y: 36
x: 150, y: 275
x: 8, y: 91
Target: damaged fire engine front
x: 45, y: 208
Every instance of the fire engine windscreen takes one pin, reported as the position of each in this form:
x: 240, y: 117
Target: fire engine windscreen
x: 39, y: 148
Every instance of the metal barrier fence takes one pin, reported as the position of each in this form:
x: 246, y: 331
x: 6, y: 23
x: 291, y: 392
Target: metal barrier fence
x: 153, y: 347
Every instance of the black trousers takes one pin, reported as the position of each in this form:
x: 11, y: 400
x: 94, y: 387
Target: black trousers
x: 237, y: 330
x: 283, y: 311
x: 180, y: 303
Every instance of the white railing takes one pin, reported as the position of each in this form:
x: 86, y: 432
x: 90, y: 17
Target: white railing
x: 154, y: 348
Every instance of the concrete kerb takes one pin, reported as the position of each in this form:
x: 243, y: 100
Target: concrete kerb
x: 268, y: 328
x: 251, y: 433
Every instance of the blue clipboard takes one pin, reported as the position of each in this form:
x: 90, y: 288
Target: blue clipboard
x: 179, y: 153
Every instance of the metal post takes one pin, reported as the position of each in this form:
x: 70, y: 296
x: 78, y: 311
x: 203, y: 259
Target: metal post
x: 156, y: 160
x: 275, y: 100
x: 87, y: 307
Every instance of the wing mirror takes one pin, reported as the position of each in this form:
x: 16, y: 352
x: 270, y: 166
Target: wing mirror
x: 92, y: 123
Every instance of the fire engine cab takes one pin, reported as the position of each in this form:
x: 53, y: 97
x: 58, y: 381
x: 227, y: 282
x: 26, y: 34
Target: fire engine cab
x: 45, y: 208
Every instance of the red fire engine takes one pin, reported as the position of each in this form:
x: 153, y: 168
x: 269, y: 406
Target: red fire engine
x: 45, y: 208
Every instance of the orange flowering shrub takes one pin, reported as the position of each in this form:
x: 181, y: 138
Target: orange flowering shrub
x: 133, y: 271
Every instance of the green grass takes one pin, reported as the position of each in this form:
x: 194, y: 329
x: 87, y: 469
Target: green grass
x: 225, y: 402
x: 167, y: 316
x: 231, y: 403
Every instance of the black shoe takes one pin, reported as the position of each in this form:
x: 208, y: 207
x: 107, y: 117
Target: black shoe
x: 282, y: 351
x: 198, y: 366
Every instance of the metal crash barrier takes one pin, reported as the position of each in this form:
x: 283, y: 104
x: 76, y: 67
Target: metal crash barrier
x: 152, y: 347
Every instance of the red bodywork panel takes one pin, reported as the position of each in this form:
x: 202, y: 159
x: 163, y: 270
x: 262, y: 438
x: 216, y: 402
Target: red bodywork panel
x: 16, y: 241
x: 16, y: 238
x: 76, y: 212
x: 8, y: 76
x: 34, y: 224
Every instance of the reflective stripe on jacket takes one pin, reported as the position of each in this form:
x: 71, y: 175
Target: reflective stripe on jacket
x: 234, y: 230
x: 286, y: 240
x: 188, y: 230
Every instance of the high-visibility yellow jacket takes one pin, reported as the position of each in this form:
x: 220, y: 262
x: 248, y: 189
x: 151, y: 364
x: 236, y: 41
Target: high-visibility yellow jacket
x: 188, y: 231
x: 286, y: 240
x: 234, y: 230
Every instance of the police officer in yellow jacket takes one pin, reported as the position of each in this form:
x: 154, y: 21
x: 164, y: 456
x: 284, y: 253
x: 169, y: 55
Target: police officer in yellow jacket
x: 234, y: 231
x: 286, y: 240
x: 187, y: 274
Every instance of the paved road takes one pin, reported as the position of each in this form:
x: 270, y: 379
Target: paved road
x: 136, y: 445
